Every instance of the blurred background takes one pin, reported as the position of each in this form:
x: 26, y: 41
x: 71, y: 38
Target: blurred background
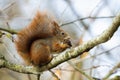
x: 81, y: 19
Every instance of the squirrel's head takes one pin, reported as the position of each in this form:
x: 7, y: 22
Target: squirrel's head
x: 62, y: 40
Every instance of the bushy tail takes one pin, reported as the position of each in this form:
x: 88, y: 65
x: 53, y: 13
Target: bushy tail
x: 40, y: 27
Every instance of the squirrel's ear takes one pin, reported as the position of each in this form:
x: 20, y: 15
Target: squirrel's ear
x: 55, y: 24
x: 56, y: 28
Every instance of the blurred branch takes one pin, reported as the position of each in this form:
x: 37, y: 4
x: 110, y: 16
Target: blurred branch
x: 96, y: 10
x: 38, y: 77
x: 29, y: 77
x: 82, y: 72
x: 53, y: 73
x: 116, y: 78
x: 9, y: 30
x: 89, y: 17
x: 65, y: 56
x: 76, y: 14
x: 111, y: 72
x: 104, y: 52
x: 8, y: 6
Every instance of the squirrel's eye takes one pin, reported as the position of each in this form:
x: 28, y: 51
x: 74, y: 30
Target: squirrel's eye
x: 62, y: 33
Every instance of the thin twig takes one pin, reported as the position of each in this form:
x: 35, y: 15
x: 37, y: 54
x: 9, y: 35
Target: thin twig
x: 8, y: 6
x: 76, y: 14
x: 111, y: 71
x: 38, y: 77
x: 83, y: 73
x: 53, y: 73
x: 102, y: 17
x: 29, y: 78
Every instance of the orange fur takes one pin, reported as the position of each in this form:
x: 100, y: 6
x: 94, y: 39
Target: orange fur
x: 35, y: 42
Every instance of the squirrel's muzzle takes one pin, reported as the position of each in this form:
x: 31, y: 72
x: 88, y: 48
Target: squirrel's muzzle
x: 68, y: 42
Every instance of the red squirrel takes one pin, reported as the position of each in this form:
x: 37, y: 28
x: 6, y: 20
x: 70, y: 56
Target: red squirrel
x: 43, y: 36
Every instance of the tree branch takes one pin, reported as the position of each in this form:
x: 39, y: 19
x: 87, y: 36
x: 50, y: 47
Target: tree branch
x: 18, y: 68
x: 9, y: 31
x: 72, y: 53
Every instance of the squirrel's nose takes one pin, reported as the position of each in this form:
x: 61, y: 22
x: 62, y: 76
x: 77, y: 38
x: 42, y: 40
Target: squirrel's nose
x: 68, y: 42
